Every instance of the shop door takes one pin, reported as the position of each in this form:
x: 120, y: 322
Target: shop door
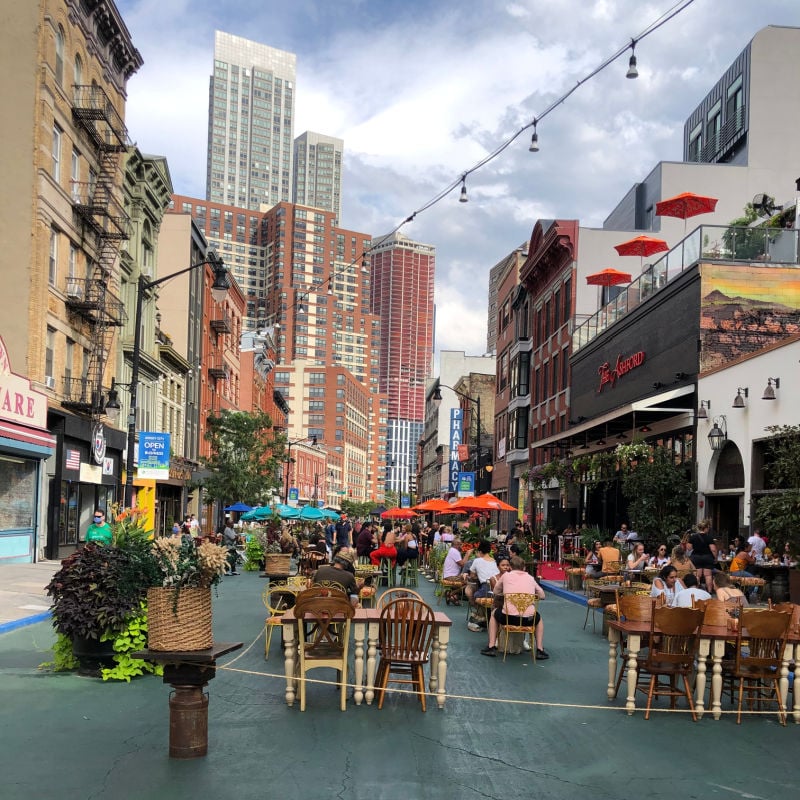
x: 724, y: 512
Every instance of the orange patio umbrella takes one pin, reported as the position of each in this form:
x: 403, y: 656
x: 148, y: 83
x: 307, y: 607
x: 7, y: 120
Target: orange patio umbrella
x: 685, y: 205
x: 398, y: 513
x: 483, y: 502
x: 435, y: 504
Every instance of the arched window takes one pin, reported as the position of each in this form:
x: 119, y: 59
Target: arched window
x: 60, y: 56
x: 78, y: 72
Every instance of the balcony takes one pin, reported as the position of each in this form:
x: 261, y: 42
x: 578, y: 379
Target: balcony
x: 95, y: 114
x: 222, y: 325
x: 80, y: 395
x: 218, y: 369
x: 97, y: 206
x: 93, y: 301
x: 724, y: 243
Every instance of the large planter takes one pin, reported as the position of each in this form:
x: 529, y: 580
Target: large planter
x: 179, y: 620
x: 93, y: 655
x: 277, y: 563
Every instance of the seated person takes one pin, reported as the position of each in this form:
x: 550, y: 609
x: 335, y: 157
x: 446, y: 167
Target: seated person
x: 608, y: 554
x: 317, y: 543
x: 484, y: 570
x: 451, y: 571
x: 513, y: 582
x: 741, y: 561
x: 387, y: 549
x: 341, y: 571
x: 593, y: 563
x: 667, y: 584
x: 724, y: 591
x: 637, y: 559
x: 621, y: 536
x: 407, y: 546
x: 680, y: 560
x: 660, y: 559
x: 365, y: 541
x: 685, y: 597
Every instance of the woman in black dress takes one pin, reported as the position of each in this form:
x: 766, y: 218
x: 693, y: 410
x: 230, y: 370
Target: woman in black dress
x: 703, y: 555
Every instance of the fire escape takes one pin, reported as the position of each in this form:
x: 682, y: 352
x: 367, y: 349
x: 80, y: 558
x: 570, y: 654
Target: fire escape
x: 93, y: 299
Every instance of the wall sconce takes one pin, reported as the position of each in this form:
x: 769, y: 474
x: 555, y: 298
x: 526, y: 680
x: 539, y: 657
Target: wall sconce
x: 772, y: 385
x: 738, y: 401
x: 718, y: 434
x: 702, y: 412
x: 645, y: 429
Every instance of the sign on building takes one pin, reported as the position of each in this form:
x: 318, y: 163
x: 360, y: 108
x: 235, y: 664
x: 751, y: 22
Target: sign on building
x: 153, y: 456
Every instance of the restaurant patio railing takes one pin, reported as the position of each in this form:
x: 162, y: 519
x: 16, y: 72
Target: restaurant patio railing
x: 768, y: 246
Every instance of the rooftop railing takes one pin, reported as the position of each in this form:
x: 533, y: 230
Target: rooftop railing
x: 707, y: 243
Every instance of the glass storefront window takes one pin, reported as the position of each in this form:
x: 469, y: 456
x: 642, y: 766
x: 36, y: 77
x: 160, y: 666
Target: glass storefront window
x: 68, y: 513
x: 17, y: 492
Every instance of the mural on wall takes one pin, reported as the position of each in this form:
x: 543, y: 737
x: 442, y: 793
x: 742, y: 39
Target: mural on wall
x: 744, y: 309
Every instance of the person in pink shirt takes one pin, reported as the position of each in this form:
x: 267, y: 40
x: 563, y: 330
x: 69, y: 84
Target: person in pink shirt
x: 513, y: 582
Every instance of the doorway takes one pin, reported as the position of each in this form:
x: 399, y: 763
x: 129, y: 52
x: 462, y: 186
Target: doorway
x: 724, y: 511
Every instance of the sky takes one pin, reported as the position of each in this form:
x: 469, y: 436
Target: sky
x: 422, y: 90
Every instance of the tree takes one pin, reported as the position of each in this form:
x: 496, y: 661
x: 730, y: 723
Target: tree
x: 779, y: 511
x: 245, y: 456
x: 353, y: 509
x: 659, y: 494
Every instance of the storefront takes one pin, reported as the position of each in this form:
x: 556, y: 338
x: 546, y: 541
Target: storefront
x: 25, y: 445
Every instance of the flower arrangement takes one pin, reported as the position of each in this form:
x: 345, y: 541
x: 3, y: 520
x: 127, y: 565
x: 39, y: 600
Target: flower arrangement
x: 182, y: 565
x: 269, y: 536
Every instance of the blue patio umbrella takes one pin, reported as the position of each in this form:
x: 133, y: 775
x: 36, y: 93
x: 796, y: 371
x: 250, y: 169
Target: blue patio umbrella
x: 287, y: 512
x: 329, y: 513
x: 311, y: 513
x: 239, y: 507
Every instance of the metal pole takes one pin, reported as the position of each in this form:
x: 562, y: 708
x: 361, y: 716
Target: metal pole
x: 288, y: 468
x: 478, y: 477
x: 133, y: 389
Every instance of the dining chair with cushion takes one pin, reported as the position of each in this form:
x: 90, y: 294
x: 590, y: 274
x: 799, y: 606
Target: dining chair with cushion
x: 323, y: 636
x: 514, y: 606
x: 674, y: 636
x: 278, y: 600
x: 405, y: 634
x: 759, y: 653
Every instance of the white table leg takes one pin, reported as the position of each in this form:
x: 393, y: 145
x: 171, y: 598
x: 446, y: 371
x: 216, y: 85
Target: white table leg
x: 434, y: 679
x: 614, y: 637
x: 372, y: 649
x: 444, y: 639
x: 634, y: 645
x: 718, y: 650
x: 289, y: 653
x: 359, y: 632
x: 783, y: 681
x: 796, y: 689
x: 700, y: 678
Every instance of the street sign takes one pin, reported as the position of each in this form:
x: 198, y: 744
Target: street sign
x: 466, y: 484
x: 294, y: 496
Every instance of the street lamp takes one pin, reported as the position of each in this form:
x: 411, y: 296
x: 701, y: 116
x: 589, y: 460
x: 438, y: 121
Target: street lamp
x: 289, y: 461
x: 218, y: 291
x: 436, y: 397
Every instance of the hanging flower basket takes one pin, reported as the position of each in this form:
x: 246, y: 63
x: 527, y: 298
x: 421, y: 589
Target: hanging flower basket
x: 179, y: 620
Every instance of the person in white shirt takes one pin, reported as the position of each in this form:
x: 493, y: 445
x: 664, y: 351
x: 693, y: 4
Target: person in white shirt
x: 757, y: 544
x: 685, y: 598
x: 483, y: 570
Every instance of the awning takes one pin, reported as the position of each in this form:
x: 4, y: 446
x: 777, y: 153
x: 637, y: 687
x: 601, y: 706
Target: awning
x: 640, y: 412
x: 32, y: 439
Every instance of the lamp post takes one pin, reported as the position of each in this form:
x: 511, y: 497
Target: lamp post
x: 218, y: 292
x: 437, y: 398
x: 289, y: 461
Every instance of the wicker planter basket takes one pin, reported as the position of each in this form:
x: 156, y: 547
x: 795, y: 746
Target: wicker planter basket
x: 182, y: 626
x: 277, y: 563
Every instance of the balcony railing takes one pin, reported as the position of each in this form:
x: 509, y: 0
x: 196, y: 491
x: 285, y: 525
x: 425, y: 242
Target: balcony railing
x: 93, y: 110
x: 94, y: 301
x: 706, y: 243
x: 80, y: 394
x: 218, y: 369
x: 222, y: 325
x: 96, y: 204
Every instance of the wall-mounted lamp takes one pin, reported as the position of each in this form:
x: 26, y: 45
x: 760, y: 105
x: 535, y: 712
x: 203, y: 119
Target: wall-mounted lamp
x: 769, y: 391
x: 718, y: 434
x: 741, y: 393
x: 702, y: 412
x: 645, y: 429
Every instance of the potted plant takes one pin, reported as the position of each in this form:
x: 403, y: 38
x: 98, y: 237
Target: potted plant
x: 179, y: 599
x: 276, y: 562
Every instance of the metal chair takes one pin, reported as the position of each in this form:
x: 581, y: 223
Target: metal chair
x: 514, y: 605
x: 278, y: 600
x: 387, y: 575
x: 405, y: 634
x: 408, y: 572
x: 323, y: 635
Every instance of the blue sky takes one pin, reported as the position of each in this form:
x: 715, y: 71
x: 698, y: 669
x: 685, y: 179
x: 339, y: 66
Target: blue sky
x: 421, y: 91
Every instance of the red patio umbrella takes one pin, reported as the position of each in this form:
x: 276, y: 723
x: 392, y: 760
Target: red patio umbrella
x: 608, y: 277
x: 398, y: 513
x: 483, y: 502
x: 685, y: 205
x: 642, y: 246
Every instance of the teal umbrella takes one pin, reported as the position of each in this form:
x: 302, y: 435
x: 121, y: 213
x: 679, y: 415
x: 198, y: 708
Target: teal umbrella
x: 329, y: 513
x: 287, y: 512
x: 262, y: 512
x: 311, y: 513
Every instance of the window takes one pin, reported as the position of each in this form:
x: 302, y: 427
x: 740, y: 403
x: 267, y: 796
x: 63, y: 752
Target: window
x: 714, y: 126
x: 78, y: 71
x: 734, y: 105
x: 72, y: 270
x: 52, y: 264
x: 68, y: 359
x: 56, y: 152
x: 695, y: 142
x: 75, y: 171
x: 60, y: 56
x: 49, y: 352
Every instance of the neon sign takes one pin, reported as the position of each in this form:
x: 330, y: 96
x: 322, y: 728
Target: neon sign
x: 609, y: 375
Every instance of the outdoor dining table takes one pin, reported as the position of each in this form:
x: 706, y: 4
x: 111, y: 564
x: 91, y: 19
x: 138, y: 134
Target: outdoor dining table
x: 712, y: 643
x: 365, y: 629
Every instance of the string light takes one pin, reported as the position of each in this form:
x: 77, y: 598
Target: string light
x: 534, y: 148
x: 632, y: 71
x: 463, y: 198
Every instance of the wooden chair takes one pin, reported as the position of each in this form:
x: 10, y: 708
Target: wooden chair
x: 759, y: 654
x: 595, y: 603
x: 405, y: 633
x: 514, y: 605
x: 450, y: 588
x: 636, y: 607
x: 612, y: 568
x: 278, y: 600
x: 311, y: 561
x: 408, y: 573
x: 323, y: 636
x: 752, y: 587
x: 671, y: 654
x: 387, y: 573
x: 398, y: 593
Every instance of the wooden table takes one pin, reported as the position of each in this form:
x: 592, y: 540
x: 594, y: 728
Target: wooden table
x: 365, y: 628
x: 712, y: 643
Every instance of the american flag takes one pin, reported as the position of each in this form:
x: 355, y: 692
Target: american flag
x: 73, y: 460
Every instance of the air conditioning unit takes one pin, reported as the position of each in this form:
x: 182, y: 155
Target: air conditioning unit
x: 50, y: 382
x: 73, y: 290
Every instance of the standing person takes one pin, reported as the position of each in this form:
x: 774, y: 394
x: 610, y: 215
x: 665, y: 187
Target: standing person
x: 99, y: 530
x: 517, y: 581
x: 330, y: 535
x: 344, y: 532
x: 703, y: 555
x: 194, y: 527
x: 757, y: 544
x: 229, y: 539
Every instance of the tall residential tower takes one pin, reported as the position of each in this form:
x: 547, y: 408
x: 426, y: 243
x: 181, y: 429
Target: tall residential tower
x: 318, y: 172
x: 250, y: 123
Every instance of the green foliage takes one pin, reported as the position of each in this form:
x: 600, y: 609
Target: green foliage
x: 354, y: 510
x: 658, y: 494
x: 254, y: 554
x: 63, y: 658
x: 133, y: 637
x: 246, y: 453
x: 743, y: 243
x: 779, y: 511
